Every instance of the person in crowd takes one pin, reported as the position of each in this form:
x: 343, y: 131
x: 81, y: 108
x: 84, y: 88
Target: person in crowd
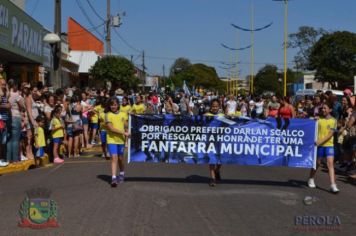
x: 184, y: 103
x: 273, y: 107
x: 2, y: 72
x: 86, y: 108
x: 94, y: 121
x: 74, y: 115
x: 317, y: 105
x: 5, y: 107
x: 103, y: 128
x: 116, y: 135
x: 231, y: 106
x: 125, y: 107
x: 308, y: 108
x: 40, y: 140
x: 49, y: 105
x: 32, y: 113
x: 169, y: 106
x: 259, y: 108
x: 346, y: 108
x: 214, y: 163
x: 57, y: 131
x: 139, y: 107
x: 17, y: 106
x: 286, y: 110
x: 325, y: 143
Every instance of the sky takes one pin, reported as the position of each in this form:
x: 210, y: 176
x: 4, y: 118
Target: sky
x: 195, y: 29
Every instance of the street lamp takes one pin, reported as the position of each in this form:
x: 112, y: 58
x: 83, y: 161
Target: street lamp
x: 54, y: 40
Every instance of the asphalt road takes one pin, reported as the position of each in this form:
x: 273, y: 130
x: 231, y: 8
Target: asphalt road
x: 163, y: 199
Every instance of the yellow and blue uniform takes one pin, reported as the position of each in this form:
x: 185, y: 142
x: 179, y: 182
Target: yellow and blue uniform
x: 325, y: 126
x: 58, y: 134
x: 95, y: 117
x: 126, y: 109
x: 139, y: 109
x: 103, y: 128
x: 116, y: 142
x: 40, y: 141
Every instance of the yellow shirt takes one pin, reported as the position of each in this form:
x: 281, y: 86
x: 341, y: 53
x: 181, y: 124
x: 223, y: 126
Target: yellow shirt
x: 117, y: 120
x: 102, y: 121
x: 55, y: 123
x: 95, y: 117
x: 324, y: 127
x: 126, y: 109
x: 139, y: 109
x: 40, y: 137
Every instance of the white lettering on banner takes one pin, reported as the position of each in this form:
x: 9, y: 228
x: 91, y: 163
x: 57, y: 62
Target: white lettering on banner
x: 26, y: 38
x: 4, y: 16
x: 230, y: 148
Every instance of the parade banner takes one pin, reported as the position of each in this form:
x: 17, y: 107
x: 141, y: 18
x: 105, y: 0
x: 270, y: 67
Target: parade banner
x: 222, y: 139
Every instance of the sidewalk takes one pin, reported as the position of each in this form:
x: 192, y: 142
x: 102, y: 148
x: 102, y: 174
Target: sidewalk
x: 30, y: 164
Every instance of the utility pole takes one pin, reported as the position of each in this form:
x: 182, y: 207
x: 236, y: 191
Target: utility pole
x: 164, y: 77
x: 57, y: 63
x: 108, y: 30
x: 143, y: 71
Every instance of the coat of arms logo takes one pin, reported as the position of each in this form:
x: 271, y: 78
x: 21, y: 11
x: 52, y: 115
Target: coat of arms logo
x: 37, y: 210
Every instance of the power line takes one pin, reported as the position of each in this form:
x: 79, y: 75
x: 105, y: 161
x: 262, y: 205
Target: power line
x: 95, y: 12
x: 88, y: 18
x: 125, y: 41
x: 80, y: 32
x: 34, y: 8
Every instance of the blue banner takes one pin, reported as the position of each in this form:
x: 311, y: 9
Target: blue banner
x: 222, y: 139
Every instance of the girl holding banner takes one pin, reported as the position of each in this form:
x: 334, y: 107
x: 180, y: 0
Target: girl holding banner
x: 325, y: 144
x: 214, y: 169
x: 116, y: 135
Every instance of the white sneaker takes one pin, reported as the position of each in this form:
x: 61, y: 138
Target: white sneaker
x: 23, y: 158
x: 311, y: 183
x: 334, y: 189
x: 3, y: 163
x: 103, y: 155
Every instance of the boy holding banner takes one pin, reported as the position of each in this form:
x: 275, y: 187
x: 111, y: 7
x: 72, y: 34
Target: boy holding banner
x: 325, y: 143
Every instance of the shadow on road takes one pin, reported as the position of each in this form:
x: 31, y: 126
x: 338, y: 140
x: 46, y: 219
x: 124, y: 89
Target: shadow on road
x: 197, y: 179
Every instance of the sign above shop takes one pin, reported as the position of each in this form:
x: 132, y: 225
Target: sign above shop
x: 19, y: 33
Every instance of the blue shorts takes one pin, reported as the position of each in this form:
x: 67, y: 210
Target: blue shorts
x: 116, y: 149
x: 103, y: 136
x: 94, y: 125
x: 39, y: 152
x: 85, y: 120
x: 325, y: 152
x: 57, y: 140
x: 70, y: 132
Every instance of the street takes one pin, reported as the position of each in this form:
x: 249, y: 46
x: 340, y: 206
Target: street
x: 163, y: 199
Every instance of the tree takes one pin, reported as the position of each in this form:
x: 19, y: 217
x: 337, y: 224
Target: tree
x: 199, y: 76
x: 268, y: 79
x: 179, y: 65
x: 304, y: 40
x: 118, y: 70
x: 334, y: 58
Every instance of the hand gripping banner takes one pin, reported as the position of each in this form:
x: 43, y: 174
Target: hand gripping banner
x: 222, y: 140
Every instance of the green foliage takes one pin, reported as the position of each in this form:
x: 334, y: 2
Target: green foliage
x: 268, y: 79
x: 333, y: 58
x: 118, y: 70
x: 303, y: 40
x: 180, y: 65
x: 199, y: 76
